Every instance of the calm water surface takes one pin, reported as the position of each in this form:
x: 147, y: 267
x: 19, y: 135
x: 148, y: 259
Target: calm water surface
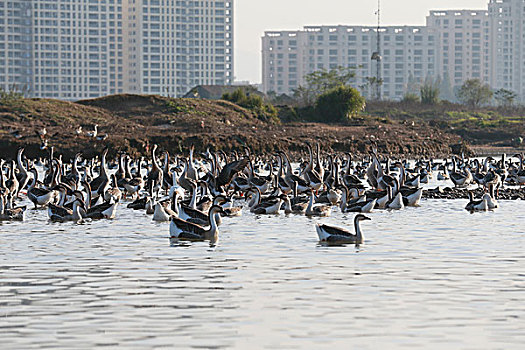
x: 434, y: 277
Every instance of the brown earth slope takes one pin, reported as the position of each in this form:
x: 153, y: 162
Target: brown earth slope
x: 134, y: 121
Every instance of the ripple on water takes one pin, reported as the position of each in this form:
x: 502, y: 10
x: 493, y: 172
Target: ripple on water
x: 428, y: 277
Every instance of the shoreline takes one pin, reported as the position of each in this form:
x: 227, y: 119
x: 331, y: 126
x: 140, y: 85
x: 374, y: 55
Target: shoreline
x: 133, y: 123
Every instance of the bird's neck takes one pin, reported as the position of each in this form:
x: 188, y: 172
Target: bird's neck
x: 358, y: 233
x: 311, y: 202
x: 343, y: 200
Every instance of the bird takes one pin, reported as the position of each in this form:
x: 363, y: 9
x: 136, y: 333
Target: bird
x: 184, y: 230
x: 44, y: 144
x: 94, y: 132
x: 40, y: 196
x: 477, y: 205
x: 491, y: 198
x: 269, y: 206
x: 359, y: 205
x: 460, y: 179
x: 336, y: 235
x: 318, y: 210
x: 102, y: 137
x: 61, y: 214
x: 10, y: 214
x: 229, y: 171
x: 520, y: 174
x: 160, y: 214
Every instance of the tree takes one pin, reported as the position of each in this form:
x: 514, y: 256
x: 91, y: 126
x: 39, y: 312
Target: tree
x: 413, y: 85
x: 429, y: 92
x: 255, y: 103
x: 271, y: 95
x: 13, y: 93
x: 410, y: 98
x: 369, y: 88
x: 339, y: 104
x: 445, y: 88
x: 474, y: 93
x: 504, y: 97
x: 320, y: 81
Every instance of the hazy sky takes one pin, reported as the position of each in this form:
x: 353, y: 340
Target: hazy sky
x: 254, y: 17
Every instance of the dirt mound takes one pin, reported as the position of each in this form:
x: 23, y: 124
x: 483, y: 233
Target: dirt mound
x: 126, y: 103
x: 132, y: 123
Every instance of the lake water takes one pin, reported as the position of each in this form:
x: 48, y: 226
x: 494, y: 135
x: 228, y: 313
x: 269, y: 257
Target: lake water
x: 434, y: 277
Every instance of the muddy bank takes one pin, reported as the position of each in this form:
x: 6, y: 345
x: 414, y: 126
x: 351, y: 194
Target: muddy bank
x: 134, y: 122
x: 462, y: 193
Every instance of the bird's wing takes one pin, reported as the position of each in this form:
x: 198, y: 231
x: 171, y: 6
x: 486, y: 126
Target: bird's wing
x: 336, y: 230
x: 99, y: 208
x: 186, y: 226
x: 190, y: 236
x: 229, y: 170
x: 60, y: 211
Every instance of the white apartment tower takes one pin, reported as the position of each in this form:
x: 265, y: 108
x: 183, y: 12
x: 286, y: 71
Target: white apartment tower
x: 75, y: 49
x: 452, y: 47
x: 462, y: 45
x: 508, y: 45
x: 16, y: 40
x: 408, y: 56
x: 176, y: 45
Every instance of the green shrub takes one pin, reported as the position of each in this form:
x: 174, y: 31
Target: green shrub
x: 339, y: 104
x: 10, y: 96
x: 255, y: 103
x: 429, y: 93
x: 410, y: 98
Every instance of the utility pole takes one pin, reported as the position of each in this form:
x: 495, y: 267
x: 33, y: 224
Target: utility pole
x: 376, y: 56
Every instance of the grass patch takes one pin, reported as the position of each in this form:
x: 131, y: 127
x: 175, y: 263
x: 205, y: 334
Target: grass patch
x: 177, y: 108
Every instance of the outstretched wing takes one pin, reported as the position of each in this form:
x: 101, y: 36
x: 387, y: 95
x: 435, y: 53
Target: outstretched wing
x: 229, y: 170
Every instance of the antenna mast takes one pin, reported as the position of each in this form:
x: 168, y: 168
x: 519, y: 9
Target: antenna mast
x: 377, y: 55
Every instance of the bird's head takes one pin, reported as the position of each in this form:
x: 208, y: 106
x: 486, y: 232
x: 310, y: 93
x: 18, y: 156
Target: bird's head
x: 361, y: 217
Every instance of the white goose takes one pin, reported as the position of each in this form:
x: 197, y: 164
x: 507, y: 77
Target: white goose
x: 160, y: 214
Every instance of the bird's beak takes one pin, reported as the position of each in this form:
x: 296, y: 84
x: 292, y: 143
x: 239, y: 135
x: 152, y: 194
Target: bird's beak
x: 366, y: 218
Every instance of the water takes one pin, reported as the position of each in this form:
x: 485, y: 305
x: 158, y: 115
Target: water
x: 434, y: 277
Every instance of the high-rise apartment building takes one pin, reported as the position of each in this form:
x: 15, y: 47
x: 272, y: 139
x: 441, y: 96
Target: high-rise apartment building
x: 462, y: 45
x: 16, y: 44
x: 408, y: 56
x: 177, y: 45
x: 452, y: 47
x: 77, y: 48
x: 508, y: 45
x: 74, y: 49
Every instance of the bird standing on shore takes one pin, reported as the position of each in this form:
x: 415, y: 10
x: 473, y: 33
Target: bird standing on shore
x: 94, y: 132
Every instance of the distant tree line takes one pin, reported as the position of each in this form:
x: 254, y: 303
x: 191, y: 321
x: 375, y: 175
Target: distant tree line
x: 328, y: 96
x: 472, y: 93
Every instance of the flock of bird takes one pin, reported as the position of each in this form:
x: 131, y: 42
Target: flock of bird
x: 194, y: 193
x: 45, y: 137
